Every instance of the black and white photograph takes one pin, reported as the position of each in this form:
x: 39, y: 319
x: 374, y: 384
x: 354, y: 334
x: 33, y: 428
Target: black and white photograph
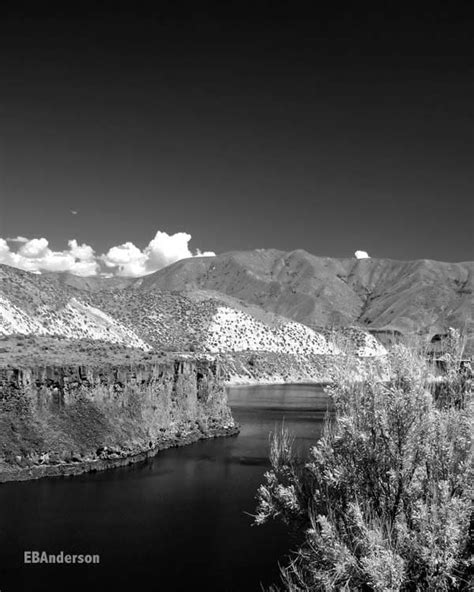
x: 236, y: 297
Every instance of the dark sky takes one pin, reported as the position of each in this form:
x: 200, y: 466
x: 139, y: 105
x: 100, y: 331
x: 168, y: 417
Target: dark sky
x: 352, y: 130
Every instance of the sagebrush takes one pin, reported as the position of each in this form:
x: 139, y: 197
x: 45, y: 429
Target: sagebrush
x: 383, y: 498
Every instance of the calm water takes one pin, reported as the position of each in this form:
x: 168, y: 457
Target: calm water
x: 178, y: 523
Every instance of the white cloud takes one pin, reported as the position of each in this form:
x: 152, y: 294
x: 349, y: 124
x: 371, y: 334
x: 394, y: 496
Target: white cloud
x: 82, y: 252
x: 35, y: 255
x: 34, y: 248
x: 361, y: 255
x: 80, y: 259
x: 127, y: 259
x: 165, y: 249
x: 161, y: 251
x: 4, y: 249
x: 204, y: 253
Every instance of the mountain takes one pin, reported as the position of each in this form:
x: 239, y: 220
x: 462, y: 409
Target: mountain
x: 199, y: 320
x: 202, y: 321
x: 262, y: 300
x: 91, y: 283
x: 379, y: 294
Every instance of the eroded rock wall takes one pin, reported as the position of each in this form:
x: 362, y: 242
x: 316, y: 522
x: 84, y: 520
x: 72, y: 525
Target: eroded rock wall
x: 53, y: 419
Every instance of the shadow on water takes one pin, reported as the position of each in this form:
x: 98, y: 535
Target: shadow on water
x: 182, y: 521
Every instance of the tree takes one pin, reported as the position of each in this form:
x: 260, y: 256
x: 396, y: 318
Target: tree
x: 383, y: 498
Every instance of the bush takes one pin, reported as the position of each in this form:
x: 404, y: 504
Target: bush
x: 383, y: 498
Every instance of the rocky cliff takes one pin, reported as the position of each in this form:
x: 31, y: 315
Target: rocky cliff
x: 71, y: 419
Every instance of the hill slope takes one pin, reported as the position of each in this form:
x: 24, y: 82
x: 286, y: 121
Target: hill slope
x: 199, y: 321
x: 204, y: 322
x: 322, y: 291
x: 33, y: 305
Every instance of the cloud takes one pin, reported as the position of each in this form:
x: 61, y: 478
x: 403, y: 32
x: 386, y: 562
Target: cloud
x: 204, y: 253
x: 82, y: 252
x: 36, y: 248
x: 80, y: 259
x: 127, y: 259
x: 361, y: 255
x: 35, y: 255
x: 161, y: 251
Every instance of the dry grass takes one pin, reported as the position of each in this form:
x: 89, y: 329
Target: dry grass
x: 19, y: 351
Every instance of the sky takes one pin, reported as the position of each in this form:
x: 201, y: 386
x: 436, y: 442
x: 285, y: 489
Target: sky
x: 129, y: 140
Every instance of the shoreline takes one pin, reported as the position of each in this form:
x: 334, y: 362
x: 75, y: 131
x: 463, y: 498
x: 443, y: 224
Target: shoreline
x: 93, y: 465
x: 243, y: 381
x: 102, y: 464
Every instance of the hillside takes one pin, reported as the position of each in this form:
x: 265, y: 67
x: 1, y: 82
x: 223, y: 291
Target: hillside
x: 34, y: 305
x: 91, y: 283
x: 382, y: 294
x: 195, y: 321
x: 203, y: 321
x: 262, y: 301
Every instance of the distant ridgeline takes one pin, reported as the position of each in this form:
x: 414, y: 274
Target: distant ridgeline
x: 264, y: 301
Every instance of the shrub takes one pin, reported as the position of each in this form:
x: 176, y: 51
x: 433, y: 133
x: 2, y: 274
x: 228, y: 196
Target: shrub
x: 383, y: 498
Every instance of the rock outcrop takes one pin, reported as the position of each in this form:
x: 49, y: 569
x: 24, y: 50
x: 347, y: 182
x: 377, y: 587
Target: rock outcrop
x: 71, y: 419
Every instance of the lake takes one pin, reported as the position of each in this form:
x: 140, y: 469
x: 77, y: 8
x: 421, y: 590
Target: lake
x: 180, y: 522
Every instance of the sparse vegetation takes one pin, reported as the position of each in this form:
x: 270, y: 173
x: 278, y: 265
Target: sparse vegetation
x: 193, y: 321
x: 383, y: 499
x: 405, y: 296
x: 20, y: 351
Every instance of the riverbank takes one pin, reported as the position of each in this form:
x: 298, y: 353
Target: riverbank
x: 64, y: 420
x: 234, y: 381
x: 111, y: 460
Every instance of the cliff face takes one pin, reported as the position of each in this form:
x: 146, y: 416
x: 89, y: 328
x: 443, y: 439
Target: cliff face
x: 62, y: 420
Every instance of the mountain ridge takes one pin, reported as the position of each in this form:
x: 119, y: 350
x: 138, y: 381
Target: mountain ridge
x: 152, y: 320
x: 319, y: 291
x: 264, y: 286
